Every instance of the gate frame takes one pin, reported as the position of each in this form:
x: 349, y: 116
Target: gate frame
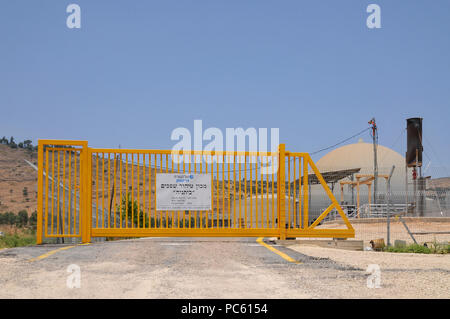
x: 281, y: 232
x: 85, y: 175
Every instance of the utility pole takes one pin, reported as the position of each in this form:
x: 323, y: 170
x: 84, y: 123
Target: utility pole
x: 388, y: 204
x: 375, y: 163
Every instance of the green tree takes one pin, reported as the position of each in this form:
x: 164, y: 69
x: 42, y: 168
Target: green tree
x: 33, y: 220
x: 22, y: 218
x: 10, y: 218
x: 27, y: 144
x: 2, y: 219
x: 132, y: 215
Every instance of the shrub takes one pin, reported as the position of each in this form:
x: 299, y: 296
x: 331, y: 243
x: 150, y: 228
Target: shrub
x: 19, y: 220
x: 419, y: 249
x: 17, y: 240
x: 131, y: 212
x: 440, y: 248
x: 10, y: 218
x: 416, y: 248
x: 22, y: 218
x: 33, y: 220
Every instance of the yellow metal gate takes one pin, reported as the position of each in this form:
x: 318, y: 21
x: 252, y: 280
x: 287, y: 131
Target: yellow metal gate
x: 84, y: 192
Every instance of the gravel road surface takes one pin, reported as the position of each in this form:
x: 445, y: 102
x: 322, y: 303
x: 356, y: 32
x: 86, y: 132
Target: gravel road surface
x: 203, y: 268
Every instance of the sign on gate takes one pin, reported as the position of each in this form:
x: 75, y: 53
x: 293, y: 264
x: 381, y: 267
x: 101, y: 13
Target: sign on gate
x: 183, y: 191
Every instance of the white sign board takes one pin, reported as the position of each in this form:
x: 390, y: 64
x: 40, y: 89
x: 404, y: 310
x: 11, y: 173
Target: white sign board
x: 183, y: 191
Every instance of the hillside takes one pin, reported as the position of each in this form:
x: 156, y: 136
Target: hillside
x: 439, y: 183
x: 18, y: 181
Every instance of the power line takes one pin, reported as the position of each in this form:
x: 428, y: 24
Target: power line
x: 347, y: 139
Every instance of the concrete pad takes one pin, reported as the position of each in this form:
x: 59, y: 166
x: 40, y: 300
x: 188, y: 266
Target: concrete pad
x: 329, y: 243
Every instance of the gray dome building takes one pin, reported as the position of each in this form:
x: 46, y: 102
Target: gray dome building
x: 360, y: 156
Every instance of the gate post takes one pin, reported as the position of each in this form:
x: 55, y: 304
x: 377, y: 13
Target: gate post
x: 40, y: 213
x: 85, y: 195
x: 89, y: 196
x: 281, y: 192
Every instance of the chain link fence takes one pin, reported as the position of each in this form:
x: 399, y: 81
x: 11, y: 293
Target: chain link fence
x: 413, y: 211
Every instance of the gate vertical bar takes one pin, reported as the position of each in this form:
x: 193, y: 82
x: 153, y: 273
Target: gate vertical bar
x: 40, y: 191
x: 89, y: 195
x: 281, y: 192
x: 305, y: 193
x: 85, y: 181
x: 83, y: 169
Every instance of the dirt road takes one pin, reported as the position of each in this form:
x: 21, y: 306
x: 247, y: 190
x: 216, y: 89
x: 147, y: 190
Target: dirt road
x: 205, y: 268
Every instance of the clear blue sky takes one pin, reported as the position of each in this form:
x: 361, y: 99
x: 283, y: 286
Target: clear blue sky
x: 138, y: 69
